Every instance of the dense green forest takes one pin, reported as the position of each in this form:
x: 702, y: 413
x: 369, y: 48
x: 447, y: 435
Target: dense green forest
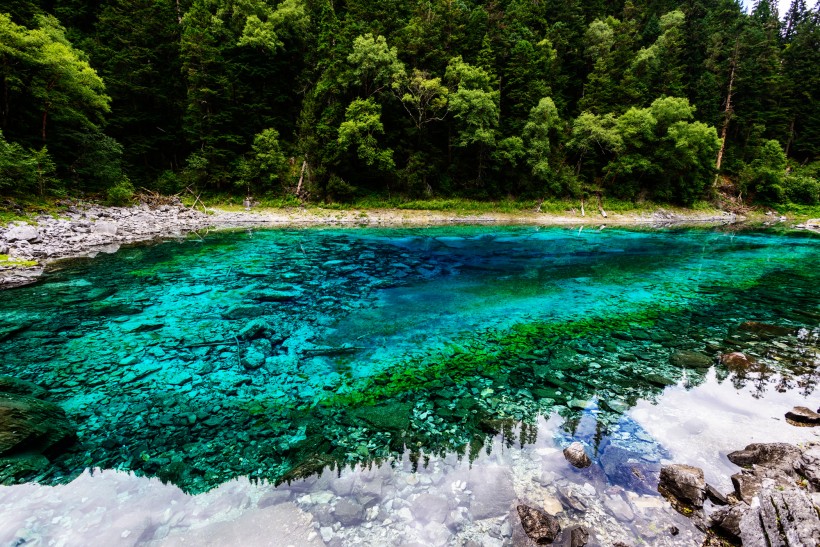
x: 329, y: 99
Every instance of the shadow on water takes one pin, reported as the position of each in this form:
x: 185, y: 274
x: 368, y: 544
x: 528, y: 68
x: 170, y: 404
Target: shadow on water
x: 278, y: 354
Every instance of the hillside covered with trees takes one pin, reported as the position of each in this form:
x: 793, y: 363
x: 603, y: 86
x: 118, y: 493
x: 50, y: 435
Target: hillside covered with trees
x: 641, y: 99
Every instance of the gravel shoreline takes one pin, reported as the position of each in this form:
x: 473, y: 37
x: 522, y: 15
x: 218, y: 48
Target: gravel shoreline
x: 88, y: 230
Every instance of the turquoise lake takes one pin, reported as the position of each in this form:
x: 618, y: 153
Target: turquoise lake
x: 275, y: 376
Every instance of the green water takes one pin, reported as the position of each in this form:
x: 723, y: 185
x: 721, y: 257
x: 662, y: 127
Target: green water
x: 276, y: 354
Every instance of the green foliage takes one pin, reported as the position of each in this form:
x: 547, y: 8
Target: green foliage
x: 656, y: 149
x: 264, y: 26
x: 442, y: 99
x: 47, y: 85
x: 339, y: 190
x: 765, y: 175
x: 424, y: 98
x: 17, y: 167
x: 801, y: 188
x: 266, y: 165
x: 374, y: 64
x: 121, y: 193
x: 362, y: 124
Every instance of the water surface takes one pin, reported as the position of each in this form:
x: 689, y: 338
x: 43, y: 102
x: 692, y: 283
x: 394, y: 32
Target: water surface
x: 432, y: 362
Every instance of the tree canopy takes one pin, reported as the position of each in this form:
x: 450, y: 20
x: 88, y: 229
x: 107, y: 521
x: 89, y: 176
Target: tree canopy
x: 635, y: 99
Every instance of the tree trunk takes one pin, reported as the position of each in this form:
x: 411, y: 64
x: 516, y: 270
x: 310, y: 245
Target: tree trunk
x: 301, y: 178
x: 791, y: 137
x: 727, y: 116
x: 45, y: 119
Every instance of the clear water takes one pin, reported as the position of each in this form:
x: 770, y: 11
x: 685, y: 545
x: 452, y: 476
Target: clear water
x: 293, y: 360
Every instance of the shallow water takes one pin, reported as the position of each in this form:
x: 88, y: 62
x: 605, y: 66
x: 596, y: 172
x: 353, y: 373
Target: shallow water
x: 401, y: 385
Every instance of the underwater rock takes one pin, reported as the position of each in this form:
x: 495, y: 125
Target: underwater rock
x: 683, y: 482
x: 430, y: 508
x: 765, y: 329
x: 541, y: 527
x: 253, y: 358
x: 626, y: 468
x: 577, y: 456
x: 349, y: 513
x: 690, y: 359
x: 736, y: 360
x: 242, y: 312
x: 7, y: 331
x: 273, y: 295
x: 569, y: 497
x: 803, y: 415
x: 9, y: 384
x: 619, y: 508
x: 255, y: 329
x: 16, y: 467
x: 28, y: 424
x: 493, y: 493
x: 145, y: 326
x: 392, y: 416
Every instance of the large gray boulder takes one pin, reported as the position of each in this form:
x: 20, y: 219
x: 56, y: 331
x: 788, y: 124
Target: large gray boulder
x: 785, y: 517
x: 808, y: 465
x: 727, y: 519
x: 22, y: 232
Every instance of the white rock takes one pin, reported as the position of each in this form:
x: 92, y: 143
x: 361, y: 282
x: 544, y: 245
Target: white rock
x: 22, y: 232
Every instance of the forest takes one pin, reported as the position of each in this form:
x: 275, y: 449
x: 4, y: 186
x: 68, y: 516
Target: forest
x: 326, y: 100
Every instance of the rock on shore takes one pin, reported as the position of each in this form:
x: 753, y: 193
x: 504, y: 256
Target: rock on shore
x: 87, y: 231
x: 774, y: 502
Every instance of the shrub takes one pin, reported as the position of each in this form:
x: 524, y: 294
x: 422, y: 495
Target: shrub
x: 122, y: 193
x: 802, y: 189
x: 339, y: 190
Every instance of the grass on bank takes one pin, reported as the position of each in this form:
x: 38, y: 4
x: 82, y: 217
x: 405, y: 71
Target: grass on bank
x: 7, y: 261
x: 454, y: 205
x: 25, y: 208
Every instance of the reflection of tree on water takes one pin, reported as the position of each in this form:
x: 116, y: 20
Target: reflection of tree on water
x: 784, y: 360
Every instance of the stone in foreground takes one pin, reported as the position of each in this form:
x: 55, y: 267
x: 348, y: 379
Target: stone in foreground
x: 577, y: 456
x: 784, y: 517
x: 684, y: 483
x: 539, y: 526
x: 803, y: 415
x: 808, y: 465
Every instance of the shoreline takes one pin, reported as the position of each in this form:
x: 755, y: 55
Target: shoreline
x: 87, y: 231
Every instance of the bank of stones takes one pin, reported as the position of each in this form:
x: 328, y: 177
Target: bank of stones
x: 87, y: 231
